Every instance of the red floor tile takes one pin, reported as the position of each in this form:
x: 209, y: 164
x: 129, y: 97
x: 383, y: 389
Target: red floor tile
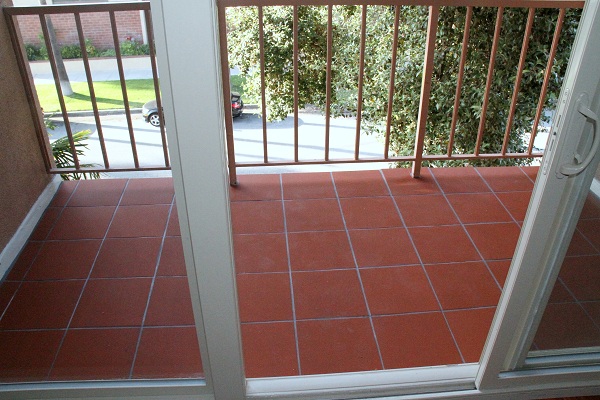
x: 264, y: 297
x: 506, y: 179
x: 593, y: 310
x: 340, y: 345
x: 42, y: 305
x: 398, y: 290
x: 589, y: 228
x: 320, y: 250
x: 463, y: 285
x: 425, y: 210
x: 98, y: 192
x: 560, y: 294
x: 23, y: 263
x: 429, y: 338
x: 328, y: 294
x: 172, y: 261
x: 495, y: 241
x: 257, y: 217
x: 260, y: 253
x: 443, y: 244
x: 566, y: 325
x: 582, y: 276
x: 173, y: 228
x: 269, y: 349
x: 360, y: 184
x: 402, y: 183
x: 478, y: 207
x: 71, y: 259
x: 46, y: 223
x: 459, y: 180
x: 96, y: 354
x: 313, y: 215
x: 170, y: 303
x: 256, y: 187
x: 7, y: 291
x: 138, y: 221
x: 127, y: 257
x: 383, y: 247
x: 591, y: 207
x: 112, y: 303
x: 168, y: 353
x: 580, y: 245
x: 27, y: 356
x: 531, y: 172
x: 500, y: 269
x: 516, y: 203
x: 63, y: 193
x: 148, y: 191
x: 370, y: 212
x: 470, y: 329
x: 314, y: 185
x: 82, y: 223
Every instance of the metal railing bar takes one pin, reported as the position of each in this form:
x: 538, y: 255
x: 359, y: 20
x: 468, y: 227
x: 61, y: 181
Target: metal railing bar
x: 59, y: 92
x: 296, y: 55
x: 438, y: 3
x: 157, y: 96
x: 428, y: 157
x: 227, y: 96
x: 513, y: 103
x: 547, y: 75
x: 261, y: 44
x: 103, y: 170
x: 88, y: 74
x: 434, y: 12
x: 361, y: 77
x: 328, y: 78
x: 79, y: 8
x: 489, y: 80
x: 119, y: 58
x: 386, y: 149
x: 459, y: 80
x: 34, y: 106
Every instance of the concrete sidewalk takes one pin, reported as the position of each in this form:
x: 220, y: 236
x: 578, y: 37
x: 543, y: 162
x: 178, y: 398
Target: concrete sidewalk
x: 103, y: 69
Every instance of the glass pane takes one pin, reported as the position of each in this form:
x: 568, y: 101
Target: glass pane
x: 572, y: 317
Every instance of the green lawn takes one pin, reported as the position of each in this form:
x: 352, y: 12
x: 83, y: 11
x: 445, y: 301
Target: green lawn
x: 108, y: 95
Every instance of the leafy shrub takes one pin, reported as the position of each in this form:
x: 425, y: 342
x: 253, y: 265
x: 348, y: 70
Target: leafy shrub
x: 33, y: 52
x: 70, y: 51
x: 131, y: 47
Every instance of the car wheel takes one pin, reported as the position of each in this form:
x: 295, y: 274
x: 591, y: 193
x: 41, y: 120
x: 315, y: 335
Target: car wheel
x: 154, y: 119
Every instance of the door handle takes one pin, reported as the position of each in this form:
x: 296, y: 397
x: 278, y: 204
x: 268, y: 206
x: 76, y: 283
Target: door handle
x: 576, y: 168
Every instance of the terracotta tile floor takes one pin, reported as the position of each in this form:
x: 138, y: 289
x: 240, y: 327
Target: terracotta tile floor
x: 336, y: 272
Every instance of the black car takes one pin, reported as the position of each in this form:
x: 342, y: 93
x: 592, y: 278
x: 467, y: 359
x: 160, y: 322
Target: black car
x: 150, y: 110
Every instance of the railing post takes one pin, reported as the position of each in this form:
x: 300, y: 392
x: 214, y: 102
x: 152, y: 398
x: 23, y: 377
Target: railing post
x: 227, y: 95
x: 434, y: 12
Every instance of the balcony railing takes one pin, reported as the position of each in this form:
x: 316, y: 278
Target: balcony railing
x: 419, y: 155
x: 428, y: 66
x: 76, y: 13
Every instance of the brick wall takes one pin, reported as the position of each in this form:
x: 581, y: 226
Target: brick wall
x: 96, y: 27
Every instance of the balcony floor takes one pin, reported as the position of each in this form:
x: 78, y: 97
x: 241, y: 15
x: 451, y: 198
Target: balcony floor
x: 336, y: 272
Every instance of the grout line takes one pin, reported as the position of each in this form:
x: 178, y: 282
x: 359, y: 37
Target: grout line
x: 423, y: 265
x: 357, y: 269
x: 150, y: 291
x: 37, y: 253
x: 289, y: 262
x: 58, y: 349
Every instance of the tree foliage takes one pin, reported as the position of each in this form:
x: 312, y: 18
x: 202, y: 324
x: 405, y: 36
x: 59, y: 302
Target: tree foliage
x: 243, y: 42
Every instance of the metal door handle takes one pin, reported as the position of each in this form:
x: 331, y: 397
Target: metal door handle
x: 576, y: 168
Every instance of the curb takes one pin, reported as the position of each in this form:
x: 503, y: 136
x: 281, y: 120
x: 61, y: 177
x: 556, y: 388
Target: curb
x: 90, y: 113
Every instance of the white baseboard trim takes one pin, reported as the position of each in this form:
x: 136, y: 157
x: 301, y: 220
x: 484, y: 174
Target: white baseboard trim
x: 12, y: 250
x: 595, y: 188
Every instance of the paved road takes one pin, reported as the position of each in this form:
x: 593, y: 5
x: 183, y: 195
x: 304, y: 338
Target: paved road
x: 248, y: 142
